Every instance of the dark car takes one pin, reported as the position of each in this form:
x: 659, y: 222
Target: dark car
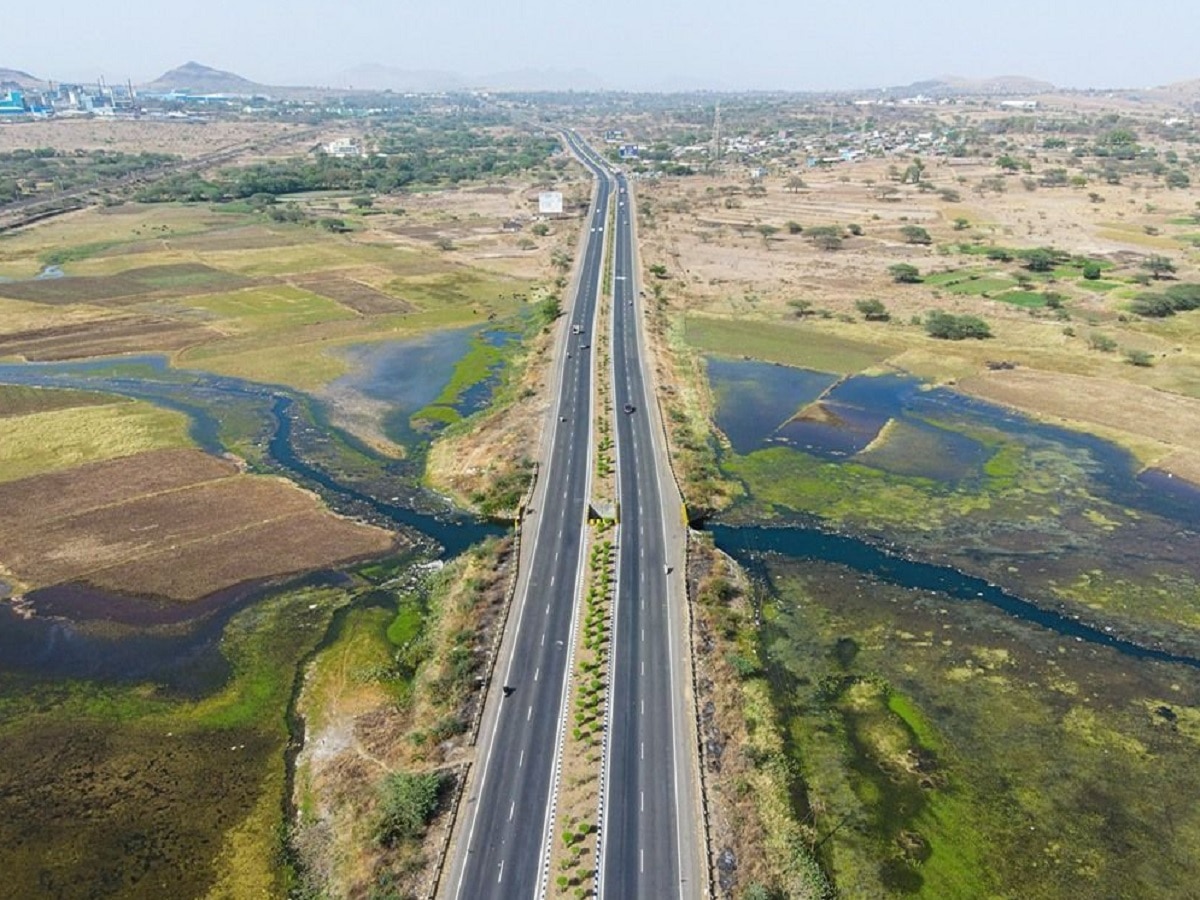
x: 629, y: 407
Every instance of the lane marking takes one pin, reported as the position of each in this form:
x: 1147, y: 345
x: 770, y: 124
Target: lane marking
x: 500, y: 877
x: 537, y: 672
x: 521, y: 761
x: 511, y: 809
x: 529, y: 715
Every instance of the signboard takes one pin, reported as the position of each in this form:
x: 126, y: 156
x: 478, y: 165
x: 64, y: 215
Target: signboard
x: 550, y: 202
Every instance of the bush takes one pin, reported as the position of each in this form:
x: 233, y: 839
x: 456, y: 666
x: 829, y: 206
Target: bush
x: 1141, y: 358
x: 407, y: 805
x: 946, y: 326
x: 903, y: 273
x: 915, y: 234
x: 1091, y: 271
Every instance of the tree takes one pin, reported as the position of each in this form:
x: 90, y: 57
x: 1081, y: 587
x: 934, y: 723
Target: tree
x: 1041, y: 259
x: 872, y: 310
x: 915, y: 234
x: 827, y: 237
x: 1092, y: 270
x: 855, y: 229
x: 961, y: 223
x: 794, y: 227
x: 794, y: 184
x: 947, y: 326
x: 1008, y: 163
x: 802, y: 307
x: 540, y: 229
x: 330, y: 223
x: 1177, y: 178
x: 903, y: 273
x: 658, y: 270
x: 362, y: 202
x: 1159, y: 266
x: 767, y: 231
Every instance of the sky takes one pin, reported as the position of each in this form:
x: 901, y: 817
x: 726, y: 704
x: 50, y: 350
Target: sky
x: 624, y: 44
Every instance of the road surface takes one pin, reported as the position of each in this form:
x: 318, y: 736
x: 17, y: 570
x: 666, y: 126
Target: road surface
x: 503, y: 839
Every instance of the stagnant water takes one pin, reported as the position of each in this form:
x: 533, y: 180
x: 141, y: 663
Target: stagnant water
x: 758, y: 406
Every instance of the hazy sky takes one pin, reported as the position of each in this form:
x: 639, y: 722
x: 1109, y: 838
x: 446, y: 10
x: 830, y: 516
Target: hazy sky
x: 637, y: 44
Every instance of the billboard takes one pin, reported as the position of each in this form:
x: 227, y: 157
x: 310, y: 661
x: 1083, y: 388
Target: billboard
x: 550, y: 202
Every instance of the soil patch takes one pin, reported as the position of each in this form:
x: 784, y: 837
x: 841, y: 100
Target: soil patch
x: 182, y: 533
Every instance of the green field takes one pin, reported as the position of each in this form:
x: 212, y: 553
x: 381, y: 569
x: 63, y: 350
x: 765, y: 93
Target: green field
x: 788, y: 344
x: 39, y: 442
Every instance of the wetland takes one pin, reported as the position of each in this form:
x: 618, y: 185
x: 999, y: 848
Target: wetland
x: 979, y: 633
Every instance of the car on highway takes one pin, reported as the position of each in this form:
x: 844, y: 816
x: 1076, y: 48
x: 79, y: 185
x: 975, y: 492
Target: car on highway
x: 629, y: 407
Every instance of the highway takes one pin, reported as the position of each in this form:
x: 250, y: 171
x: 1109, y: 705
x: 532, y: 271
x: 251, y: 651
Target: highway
x: 651, y: 844
x: 502, y: 844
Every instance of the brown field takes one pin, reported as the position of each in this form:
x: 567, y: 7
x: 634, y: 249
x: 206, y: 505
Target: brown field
x: 132, y: 286
x: 360, y: 297
x: 186, y: 139
x: 177, y: 524
x: 107, y: 337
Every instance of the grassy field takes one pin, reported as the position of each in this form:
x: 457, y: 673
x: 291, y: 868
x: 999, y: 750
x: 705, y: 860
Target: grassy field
x: 782, y: 343
x: 38, y: 442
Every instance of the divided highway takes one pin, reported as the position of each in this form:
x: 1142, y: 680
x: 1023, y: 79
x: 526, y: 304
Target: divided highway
x: 651, y: 845
x: 503, y: 839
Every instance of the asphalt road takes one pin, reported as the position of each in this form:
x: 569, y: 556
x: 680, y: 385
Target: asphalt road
x: 650, y: 845
x: 503, y: 841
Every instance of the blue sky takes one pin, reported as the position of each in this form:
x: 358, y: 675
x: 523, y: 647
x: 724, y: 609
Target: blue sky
x: 626, y: 44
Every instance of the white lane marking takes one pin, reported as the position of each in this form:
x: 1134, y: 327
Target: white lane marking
x: 511, y: 808
x: 500, y: 877
x: 521, y: 761
x: 537, y: 672
x: 529, y: 715
x: 641, y: 860
x: 642, y: 795
x: 643, y: 749
x: 547, y: 609
x: 543, y: 639
x: 553, y: 578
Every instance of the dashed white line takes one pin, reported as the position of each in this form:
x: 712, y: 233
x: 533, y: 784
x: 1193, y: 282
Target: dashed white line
x: 537, y: 672
x: 529, y: 715
x: 521, y: 761
x: 500, y: 877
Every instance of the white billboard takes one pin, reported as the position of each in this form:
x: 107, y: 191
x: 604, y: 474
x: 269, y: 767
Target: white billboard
x: 550, y: 202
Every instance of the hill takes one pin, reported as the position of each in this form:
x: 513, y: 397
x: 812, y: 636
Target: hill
x: 957, y: 86
x: 11, y: 79
x: 203, y: 79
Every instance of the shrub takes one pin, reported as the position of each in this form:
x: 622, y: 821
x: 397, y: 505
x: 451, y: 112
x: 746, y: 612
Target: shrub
x: 1141, y: 358
x: 947, y: 326
x: 407, y: 805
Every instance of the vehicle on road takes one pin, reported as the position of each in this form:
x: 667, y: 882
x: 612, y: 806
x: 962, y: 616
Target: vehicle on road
x: 629, y: 407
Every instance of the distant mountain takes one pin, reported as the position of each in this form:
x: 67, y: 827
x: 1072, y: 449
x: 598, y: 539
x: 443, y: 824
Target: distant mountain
x: 375, y: 77
x: 542, y: 80
x: 957, y: 86
x: 201, y: 79
x: 15, y: 79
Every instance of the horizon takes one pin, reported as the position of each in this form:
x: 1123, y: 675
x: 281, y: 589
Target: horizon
x: 704, y: 46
